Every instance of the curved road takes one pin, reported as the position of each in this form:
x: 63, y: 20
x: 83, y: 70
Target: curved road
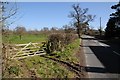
x: 102, y: 60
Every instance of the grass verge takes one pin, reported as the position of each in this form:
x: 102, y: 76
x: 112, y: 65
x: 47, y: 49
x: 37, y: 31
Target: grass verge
x: 58, y: 65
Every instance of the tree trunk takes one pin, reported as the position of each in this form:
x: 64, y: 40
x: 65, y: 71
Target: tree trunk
x: 78, y: 32
x: 20, y: 37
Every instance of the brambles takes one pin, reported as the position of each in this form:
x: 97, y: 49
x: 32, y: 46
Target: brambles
x: 57, y: 42
x: 69, y: 37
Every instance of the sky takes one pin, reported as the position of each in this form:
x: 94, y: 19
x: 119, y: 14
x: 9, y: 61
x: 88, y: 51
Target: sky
x: 37, y: 15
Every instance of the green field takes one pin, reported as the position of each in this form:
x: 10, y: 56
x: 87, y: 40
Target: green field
x: 15, y: 39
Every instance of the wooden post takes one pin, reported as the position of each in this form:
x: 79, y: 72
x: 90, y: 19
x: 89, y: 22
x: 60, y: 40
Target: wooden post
x: 100, y: 27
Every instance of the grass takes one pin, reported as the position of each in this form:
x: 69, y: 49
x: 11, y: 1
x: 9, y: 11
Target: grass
x: 14, y: 39
x: 68, y: 53
x: 46, y: 68
x: 43, y: 67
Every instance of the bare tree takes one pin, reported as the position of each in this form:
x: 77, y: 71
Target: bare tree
x: 45, y: 29
x: 68, y: 29
x: 20, y: 31
x: 54, y: 29
x: 80, y: 17
x: 6, y: 12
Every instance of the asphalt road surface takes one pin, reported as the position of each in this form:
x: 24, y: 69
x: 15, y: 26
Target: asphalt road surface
x: 102, y: 60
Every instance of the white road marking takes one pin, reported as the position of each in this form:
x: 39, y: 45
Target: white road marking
x: 104, y: 45
x: 92, y: 59
x: 116, y: 53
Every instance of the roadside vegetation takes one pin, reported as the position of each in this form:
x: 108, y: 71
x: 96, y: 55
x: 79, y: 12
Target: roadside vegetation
x: 60, y: 60
x: 58, y: 64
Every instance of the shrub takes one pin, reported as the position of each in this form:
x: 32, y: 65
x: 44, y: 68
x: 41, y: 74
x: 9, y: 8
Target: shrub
x: 69, y: 37
x: 57, y: 42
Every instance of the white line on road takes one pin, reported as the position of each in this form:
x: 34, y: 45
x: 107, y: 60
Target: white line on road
x: 104, y: 45
x: 116, y: 53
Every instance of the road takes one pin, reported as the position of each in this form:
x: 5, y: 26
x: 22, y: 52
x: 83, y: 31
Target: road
x: 102, y: 60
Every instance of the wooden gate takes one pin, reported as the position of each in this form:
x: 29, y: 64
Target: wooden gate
x: 28, y: 50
